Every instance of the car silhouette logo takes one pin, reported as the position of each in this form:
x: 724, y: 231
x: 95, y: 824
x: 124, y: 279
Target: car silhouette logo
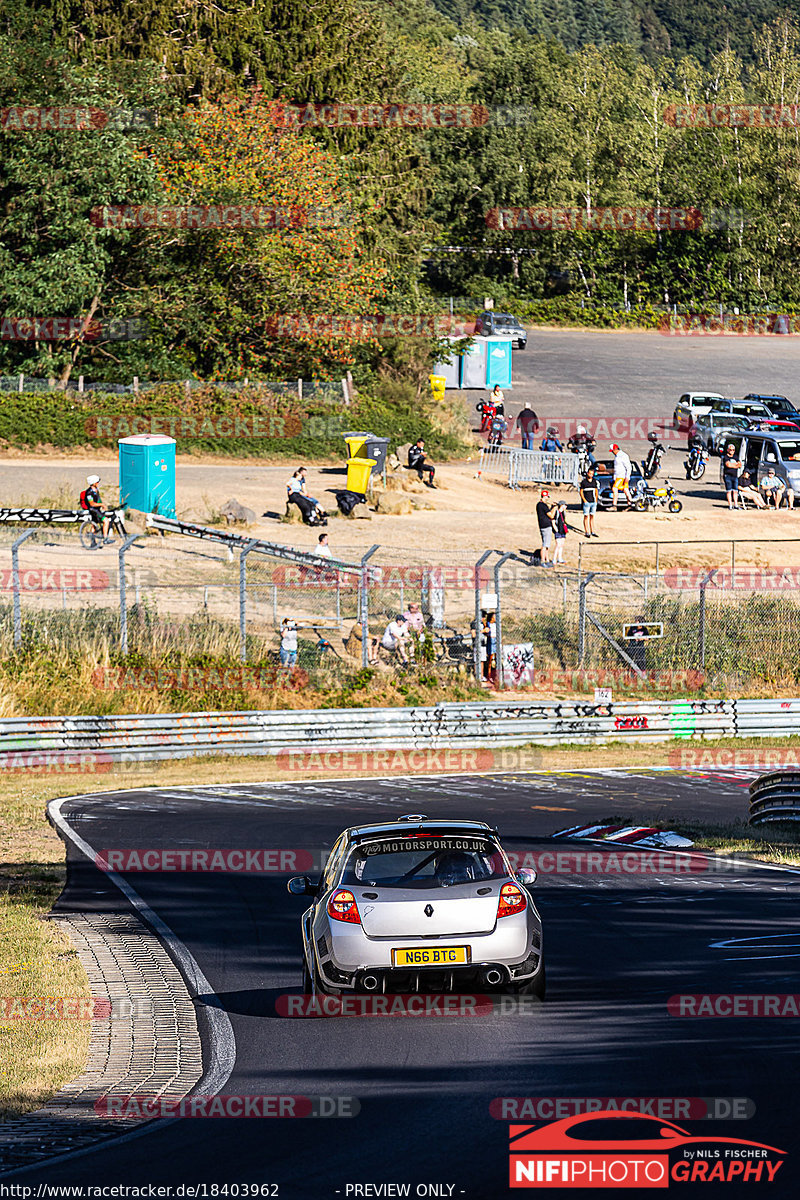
x: 576, y: 1134
x: 428, y: 910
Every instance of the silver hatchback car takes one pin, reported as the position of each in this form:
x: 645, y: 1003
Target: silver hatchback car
x: 420, y: 905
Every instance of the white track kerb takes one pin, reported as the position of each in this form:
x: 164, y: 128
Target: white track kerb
x: 222, y: 1044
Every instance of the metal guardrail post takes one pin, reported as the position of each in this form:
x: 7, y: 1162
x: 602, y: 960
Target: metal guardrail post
x: 123, y: 592
x: 364, y: 605
x: 499, y: 620
x: 243, y: 599
x: 582, y: 617
x: 15, y: 585
x: 476, y: 649
x: 701, y: 649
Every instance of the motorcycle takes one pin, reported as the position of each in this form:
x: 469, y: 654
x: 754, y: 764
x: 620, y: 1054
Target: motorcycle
x: 659, y: 497
x: 695, y: 464
x: 488, y: 411
x: 584, y: 447
x: 654, y: 455
x: 498, y: 429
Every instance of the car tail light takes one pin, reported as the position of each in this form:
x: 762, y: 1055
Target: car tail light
x: 342, y: 907
x: 512, y: 900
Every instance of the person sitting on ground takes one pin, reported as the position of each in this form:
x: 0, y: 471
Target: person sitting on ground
x: 550, y: 442
x: 90, y: 500
x: 418, y: 463
x: 775, y: 489
x: 395, y: 637
x: 749, y: 492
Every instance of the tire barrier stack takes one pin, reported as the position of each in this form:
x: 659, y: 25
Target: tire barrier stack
x: 775, y: 797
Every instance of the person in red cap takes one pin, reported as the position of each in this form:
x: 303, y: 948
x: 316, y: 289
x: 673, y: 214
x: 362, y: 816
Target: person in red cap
x: 622, y: 474
x: 545, y: 511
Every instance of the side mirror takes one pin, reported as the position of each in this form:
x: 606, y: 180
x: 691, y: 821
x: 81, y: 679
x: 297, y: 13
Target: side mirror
x: 301, y: 885
x: 526, y: 876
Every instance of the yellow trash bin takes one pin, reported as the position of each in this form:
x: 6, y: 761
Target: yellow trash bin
x: 359, y: 471
x: 355, y: 444
x: 438, y: 385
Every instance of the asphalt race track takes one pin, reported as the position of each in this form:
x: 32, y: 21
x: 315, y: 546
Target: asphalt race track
x: 617, y: 947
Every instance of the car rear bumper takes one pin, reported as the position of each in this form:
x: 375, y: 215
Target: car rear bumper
x: 477, y: 977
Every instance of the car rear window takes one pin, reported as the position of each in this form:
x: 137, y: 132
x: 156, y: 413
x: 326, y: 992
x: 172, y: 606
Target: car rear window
x: 751, y: 410
x: 411, y: 862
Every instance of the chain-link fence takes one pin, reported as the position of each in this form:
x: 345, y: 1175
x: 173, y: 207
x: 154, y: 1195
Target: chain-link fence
x: 503, y: 620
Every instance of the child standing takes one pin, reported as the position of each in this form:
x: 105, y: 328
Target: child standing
x: 560, y: 531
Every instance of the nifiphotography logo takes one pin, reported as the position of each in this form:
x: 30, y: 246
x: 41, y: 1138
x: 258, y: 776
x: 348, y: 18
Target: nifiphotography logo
x: 613, y: 1149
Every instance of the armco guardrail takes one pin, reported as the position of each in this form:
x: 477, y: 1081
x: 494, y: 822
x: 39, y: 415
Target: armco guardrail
x: 775, y: 797
x: 447, y: 726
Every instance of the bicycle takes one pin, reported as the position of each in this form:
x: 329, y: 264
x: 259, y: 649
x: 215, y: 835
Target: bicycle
x: 91, y: 534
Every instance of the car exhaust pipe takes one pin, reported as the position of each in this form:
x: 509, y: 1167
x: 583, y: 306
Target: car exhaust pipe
x: 369, y: 982
x: 492, y: 977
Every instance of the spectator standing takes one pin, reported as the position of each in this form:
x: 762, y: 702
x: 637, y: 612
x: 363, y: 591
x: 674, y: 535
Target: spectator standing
x: 417, y: 462
x: 288, y: 653
x: 545, y: 511
x: 589, y: 501
x: 323, y: 549
x: 528, y: 425
x: 415, y: 620
x: 560, y: 531
x: 776, y: 490
x: 622, y: 474
x: 731, y: 466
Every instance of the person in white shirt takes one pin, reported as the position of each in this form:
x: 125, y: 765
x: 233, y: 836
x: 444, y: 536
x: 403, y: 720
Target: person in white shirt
x: 775, y: 489
x: 622, y: 474
x: 323, y: 549
x: 288, y: 654
x: 395, y: 637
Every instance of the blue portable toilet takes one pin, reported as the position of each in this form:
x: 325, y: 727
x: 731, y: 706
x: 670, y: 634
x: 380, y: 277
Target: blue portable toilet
x: 498, y: 362
x: 147, y: 473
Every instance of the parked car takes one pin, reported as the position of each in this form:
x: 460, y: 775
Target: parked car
x: 711, y: 425
x: 692, y: 405
x: 759, y: 451
x: 778, y: 406
x: 742, y: 408
x: 776, y: 426
x: 492, y: 324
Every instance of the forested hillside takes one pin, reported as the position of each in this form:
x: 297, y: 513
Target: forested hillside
x: 562, y: 127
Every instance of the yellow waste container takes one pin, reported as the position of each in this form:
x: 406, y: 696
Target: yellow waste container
x: 359, y: 471
x: 438, y: 385
x: 355, y: 444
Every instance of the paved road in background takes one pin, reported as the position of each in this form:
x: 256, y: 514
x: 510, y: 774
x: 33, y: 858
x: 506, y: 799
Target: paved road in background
x: 616, y: 949
x: 595, y: 373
